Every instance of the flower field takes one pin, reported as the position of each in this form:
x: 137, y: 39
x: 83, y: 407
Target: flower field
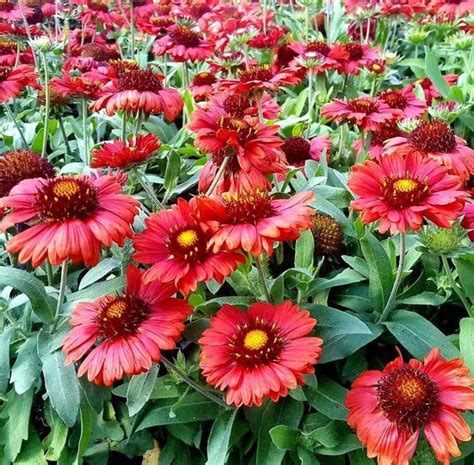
x: 236, y: 232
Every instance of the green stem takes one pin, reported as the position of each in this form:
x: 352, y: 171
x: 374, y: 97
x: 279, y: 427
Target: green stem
x: 62, y: 292
x: 124, y: 126
x: 263, y: 280
x: 217, y: 177
x: 310, y: 99
x: 398, y: 279
x: 132, y: 29
x: 49, y: 273
x: 84, y: 132
x: 47, y: 105
x: 202, y: 390
x: 64, y: 135
x: 455, y: 287
x: 148, y: 189
x: 15, y: 122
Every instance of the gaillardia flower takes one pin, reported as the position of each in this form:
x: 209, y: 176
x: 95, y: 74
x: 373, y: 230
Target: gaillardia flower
x: 404, y: 100
x: 14, y: 80
x: 252, y: 220
x: 260, y: 353
x: 72, y: 217
x: 178, y: 248
x: 125, y: 334
x: 401, y: 191
x: 17, y: 165
x: 298, y: 149
x: 389, y: 408
x: 118, y: 154
x: 131, y: 88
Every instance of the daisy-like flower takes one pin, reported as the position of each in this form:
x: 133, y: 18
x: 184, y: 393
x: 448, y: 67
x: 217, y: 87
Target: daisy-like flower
x: 11, y: 11
x: 17, y: 165
x: 429, y: 89
x: 327, y: 56
x: 378, y: 139
x: 9, y: 53
x: 98, y: 12
x: 298, y: 149
x: 261, y: 353
x: 238, y: 106
x: 153, y: 24
x: 366, y: 112
x: 401, y: 191
x: 407, y: 8
x: 252, y: 220
x: 14, y: 80
x: 259, y: 78
x: 436, y: 139
x: 201, y: 85
x: 389, y: 408
x: 132, y: 88
x: 125, y: 334
x: 72, y: 217
x: 85, y: 86
x: 184, y: 44
x: 178, y: 248
x: 404, y: 100
x: 452, y: 9
x: 118, y: 154
x: 358, y: 57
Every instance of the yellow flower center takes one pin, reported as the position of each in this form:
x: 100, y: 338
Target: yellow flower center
x: 376, y: 67
x: 66, y: 188
x: 116, y: 309
x: 405, y: 185
x: 411, y: 389
x: 187, y: 239
x: 255, y: 339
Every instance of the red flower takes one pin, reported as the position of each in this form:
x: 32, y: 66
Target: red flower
x: 407, y: 8
x: 452, y: 9
x: 17, y: 165
x: 125, y: 334
x: 252, y: 220
x: 389, y: 408
x: 268, y: 40
x: 178, y: 249
x: 436, y: 139
x: 328, y: 56
x: 72, y: 218
x: 9, y: 53
x: 400, y: 191
x: 298, y: 149
x: 184, y: 44
x: 366, y: 112
x: 97, y: 12
x: 117, y: 154
x: 405, y: 101
x: 86, y: 86
x: 429, y: 89
x: 359, y: 55
x: 378, y: 139
x: 11, y: 12
x: 260, y: 353
x: 201, y: 85
x: 14, y: 80
x: 132, y: 88
x: 468, y: 220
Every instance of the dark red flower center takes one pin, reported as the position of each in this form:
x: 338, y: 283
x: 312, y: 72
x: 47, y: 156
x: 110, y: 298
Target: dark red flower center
x: 408, y: 397
x: 7, y: 47
x: 365, y: 105
x: 285, y: 54
x: 5, y: 72
x: 248, y: 207
x: 236, y: 105
x: 256, y: 73
x: 402, y: 193
x: 296, y: 150
x: 160, y: 21
x: 184, y: 36
x: 188, y: 243
x: 120, y: 316
x: 22, y: 164
x: 355, y: 51
x: 98, y: 6
x: 132, y: 77
x: 6, y: 5
x: 243, y: 130
x: 318, y: 46
x: 204, y: 79
x: 394, y: 99
x: 65, y: 198
x: 232, y: 166
x: 384, y: 133
x: 433, y: 136
x: 256, y: 343
x: 199, y: 9
x: 99, y: 52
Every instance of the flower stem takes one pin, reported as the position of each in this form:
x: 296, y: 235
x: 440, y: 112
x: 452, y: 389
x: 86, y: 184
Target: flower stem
x: 398, y: 280
x: 15, y: 122
x: 205, y: 392
x: 148, y: 189
x: 217, y: 177
x: 124, y: 126
x: 263, y: 280
x: 62, y: 291
x: 84, y: 132
x: 310, y: 99
x: 261, y: 119
x: 455, y: 287
x: 47, y: 104
x: 64, y: 135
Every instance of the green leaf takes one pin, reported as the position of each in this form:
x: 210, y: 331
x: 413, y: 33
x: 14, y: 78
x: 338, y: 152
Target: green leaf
x: 328, y: 398
x: 27, y: 366
x: 219, y: 438
x: 42, y: 304
x: 5, y: 337
x: 284, y: 437
x: 16, y: 412
x: 32, y: 452
x: 342, y: 333
x: 95, y: 395
x: 425, y: 298
x: 173, y: 168
x: 380, y: 271
x: 304, y: 250
x: 345, y: 277
x: 96, y: 273
x: 418, y: 335
x: 61, y: 382
x: 306, y: 457
x: 434, y: 73
x: 466, y: 342
x: 111, y: 286
x: 86, y: 416
x: 56, y: 440
x: 140, y: 389
x: 465, y: 269
x: 359, y: 457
